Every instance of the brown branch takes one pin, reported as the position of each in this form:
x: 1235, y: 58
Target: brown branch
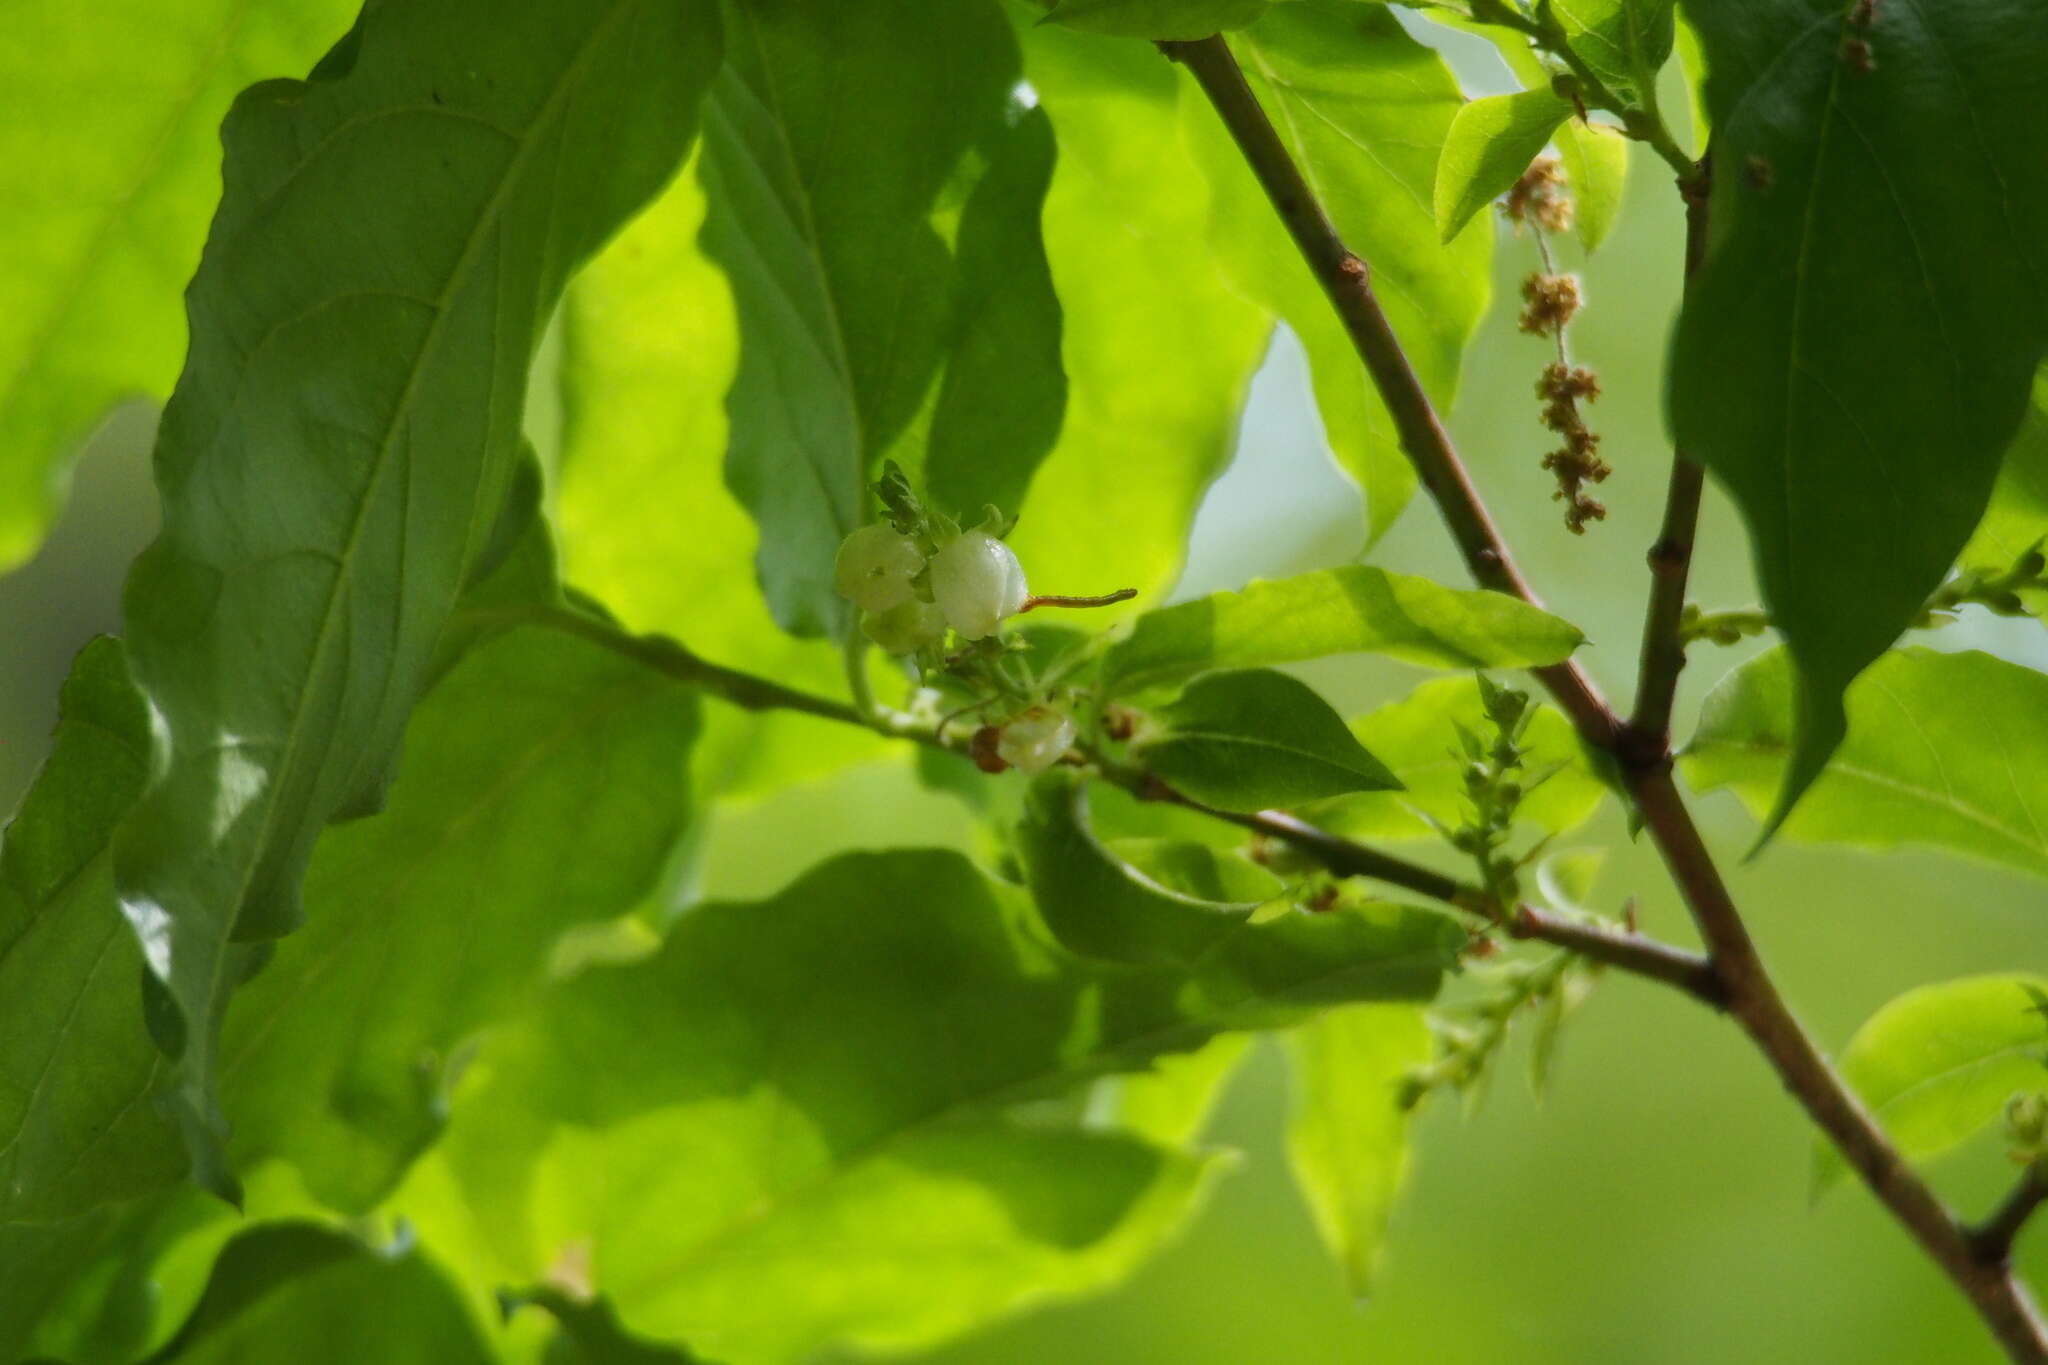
x: 1625, y: 950
x: 1993, y: 1238
x: 1751, y: 996
x: 1107, y: 599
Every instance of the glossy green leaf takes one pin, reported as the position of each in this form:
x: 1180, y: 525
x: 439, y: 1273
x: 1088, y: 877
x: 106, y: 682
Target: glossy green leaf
x: 1254, y: 738
x: 1596, y: 172
x: 1490, y: 143
x: 1944, y: 750
x: 1159, y: 350
x: 345, y: 434
x: 1857, y: 349
x: 543, y: 784
x: 800, y: 1109
x: 1364, y: 109
x: 302, y: 1292
x: 1348, y: 1136
x: 1176, y: 19
x: 76, y: 1062
x: 874, y: 187
x: 1937, y: 1064
x: 1417, y: 738
x: 1348, y: 610
x: 113, y: 166
x: 1625, y: 42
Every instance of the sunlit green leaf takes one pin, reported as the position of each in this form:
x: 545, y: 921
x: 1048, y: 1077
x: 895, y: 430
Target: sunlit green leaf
x: 1364, y: 110
x: 1596, y: 172
x: 1182, y: 19
x: 591, y: 1335
x: 1171, y: 1103
x: 1158, y: 350
x: 1944, y: 750
x: 1348, y: 610
x: 302, y: 1292
x: 113, y: 166
x: 2017, y: 519
x: 1937, y: 1064
x: 1624, y: 42
x: 874, y: 188
x: 1417, y: 738
x: 542, y: 786
x: 76, y: 1062
x: 1348, y: 1138
x: 1490, y: 143
x: 1856, y: 351
x: 1254, y: 738
x: 345, y: 434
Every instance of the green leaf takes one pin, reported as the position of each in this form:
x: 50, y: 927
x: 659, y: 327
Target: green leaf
x: 1348, y: 1137
x: 1857, y: 349
x: 2016, y: 520
x: 1417, y: 738
x: 345, y: 435
x: 544, y: 783
x: 1944, y: 750
x: 874, y: 189
x: 1347, y: 610
x: 1596, y: 171
x: 1491, y: 142
x: 1364, y: 109
x: 1937, y: 1064
x: 1184, y: 20
x: 113, y: 167
x: 302, y: 1292
x: 1159, y: 349
x: 1625, y: 42
x: 1171, y: 1103
x: 591, y: 1334
x: 76, y: 1062
x: 1252, y: 739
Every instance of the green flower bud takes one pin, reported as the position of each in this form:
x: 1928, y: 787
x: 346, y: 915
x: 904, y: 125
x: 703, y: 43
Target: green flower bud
x: 875, y: 566
x: 977, y: 581
x: 906, y: 627
x: 1036, y: 739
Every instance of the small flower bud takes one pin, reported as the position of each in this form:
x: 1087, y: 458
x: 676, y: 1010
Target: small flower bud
x: 977, y: 581
x: 904, y: 628
x: 2026, y: 1123
x: 874, y: 567
x: 1036, y: 740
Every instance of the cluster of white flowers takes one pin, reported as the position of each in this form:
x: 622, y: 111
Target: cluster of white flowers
x: 975, y: 582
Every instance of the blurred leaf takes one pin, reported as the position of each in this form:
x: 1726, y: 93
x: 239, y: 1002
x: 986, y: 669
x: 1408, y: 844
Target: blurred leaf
x: 874, y: 191
x: 1193, y: 868
x: 1490, y: 143
x: 1596, y: 171
x: 76, y: 1062
x: 1364, y: 109
x: 1171, y: 1103
x: 1347, y: 610
x: 1176, y: 19
x: 543, y: 784
x: 345, y: 434
x: 1944, y: 750
x: 1158, y: 350
x: 1566, y: 878
x: 1348, y: 1138
x: 1625, y: 42
x: 113, y: 167
x: 1856, y: 351
x: 1254, y: 738
x: 2017, y: 519
x: 1417, y: 738
x: 305, y: 1293
x: 591, y: 1334
x: 1937, y: 1064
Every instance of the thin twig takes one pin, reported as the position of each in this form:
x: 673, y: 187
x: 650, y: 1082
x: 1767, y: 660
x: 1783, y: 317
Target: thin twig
x: 1752, y: 998
x: 1994, y: 1237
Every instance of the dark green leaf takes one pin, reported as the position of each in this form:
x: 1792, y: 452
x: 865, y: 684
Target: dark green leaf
x: 874, y: 190
x: 1255, y: 738
x: 1937, y: 1064
x: 1364, y: 109
x: 1181, y: 19
x: 1353, y: 609
x: 1490, y: 143
x: 1947, y: 750
x: 543, y: 784
x: 305, y: 1293
x: 1856, y: 351
x: 1348, y: 1138
x: 112, y: 167
x: 345, y: 433
x: 1625, y: 42
x: 1417, y: 738
x: 76, y: 1062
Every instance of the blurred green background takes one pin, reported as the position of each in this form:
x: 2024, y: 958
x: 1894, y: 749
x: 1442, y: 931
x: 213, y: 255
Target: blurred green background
x: 1654, y: 1206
